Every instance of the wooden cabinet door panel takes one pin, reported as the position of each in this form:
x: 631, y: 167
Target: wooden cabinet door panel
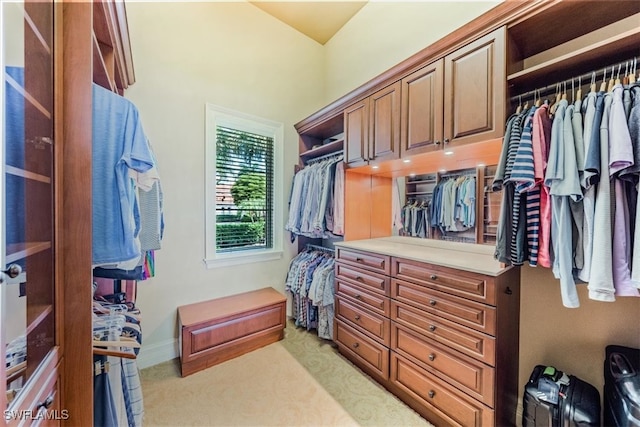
x: 374, y: 262
x: 370, y: 355
x: 372, y: 301
x: 356, y: 133
x: 474, y: 91
x: 384, y: 123
x: 422, y: 107
x: 374, y: 325
x: 454, y: 406
x: 371, y: 281
x: 474, y: 377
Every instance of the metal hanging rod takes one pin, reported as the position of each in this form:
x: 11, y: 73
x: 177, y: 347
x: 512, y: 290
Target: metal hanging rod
x: 337, y: 155
x: 593, y: 77
x: 320, y: 248
x: 458, y: 174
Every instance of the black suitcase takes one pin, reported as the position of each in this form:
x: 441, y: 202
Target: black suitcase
x: 622, y: 386
x: 553, y: 398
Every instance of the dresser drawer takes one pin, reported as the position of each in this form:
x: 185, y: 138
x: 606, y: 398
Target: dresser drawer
x: 468, y: 341
x: 374, y: 302
x: 370, y: 355
x: 454, y: 406
x: 464, y: 372
x: 373, y: 262
x: 371, y: 281
x: 478, y: 316
x: 372, y: 324
x: 473, y: 286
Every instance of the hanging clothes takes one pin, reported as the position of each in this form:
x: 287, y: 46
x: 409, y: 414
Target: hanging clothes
x: 310, y: 282
x: 588, y: 153
x: 316, y: 202
x: 119, y: 144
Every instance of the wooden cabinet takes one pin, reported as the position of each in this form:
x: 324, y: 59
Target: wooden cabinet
x: 456, y: 100
x: 46, y: 61
x: 450, y: 335
x: 475, y: 91
x: 372, y: 127
x: 422, y: 107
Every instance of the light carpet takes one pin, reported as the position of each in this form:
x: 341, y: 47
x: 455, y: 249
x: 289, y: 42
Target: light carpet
x: 299, y: 381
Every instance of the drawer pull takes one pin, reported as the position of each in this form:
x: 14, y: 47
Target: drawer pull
x: 436, y: 142
x: 46, y: 404
x: 359, y: 279
x: 432, y: 357
x: 357, y: 317
x: 359, y: 260
x: 434, y: 277
x: 432, y: 328
x: 432, y: 393
x: 432, y: 302
x: 358, y: 296
x: 356, y: 345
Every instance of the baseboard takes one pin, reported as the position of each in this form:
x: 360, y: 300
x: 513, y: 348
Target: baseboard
x: 157, y: 353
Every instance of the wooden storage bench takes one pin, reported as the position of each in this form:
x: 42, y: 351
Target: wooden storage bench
x: 214, y: 331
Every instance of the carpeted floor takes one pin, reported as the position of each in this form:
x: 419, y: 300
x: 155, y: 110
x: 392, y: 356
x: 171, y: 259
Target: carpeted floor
x: 299, y: 381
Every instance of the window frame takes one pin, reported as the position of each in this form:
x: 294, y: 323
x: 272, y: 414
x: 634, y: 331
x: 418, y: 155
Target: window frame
x: 220, y: 116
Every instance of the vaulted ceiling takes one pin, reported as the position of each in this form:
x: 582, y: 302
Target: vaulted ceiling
x: 319, y: 20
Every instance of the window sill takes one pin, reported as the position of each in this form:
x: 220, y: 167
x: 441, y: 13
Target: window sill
x: 227, y: 260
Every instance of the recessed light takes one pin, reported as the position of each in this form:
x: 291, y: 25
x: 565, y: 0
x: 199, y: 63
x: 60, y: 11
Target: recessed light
x: 481, y: 165
x: 406, y: 161
x: 442, y: 170
x: 412, y: 175
x: 375, y: 167
x: 448, y: 153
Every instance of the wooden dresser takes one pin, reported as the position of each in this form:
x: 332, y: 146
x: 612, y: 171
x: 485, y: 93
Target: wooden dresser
x: 442, y: 338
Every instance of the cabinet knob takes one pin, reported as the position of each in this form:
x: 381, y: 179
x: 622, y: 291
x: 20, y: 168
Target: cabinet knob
x: 356, y: 345
x: 432, y: 302
x: 357, y: 317
x: 432, y: 328
x: 359, y: 279
x: 12, y: 272
x: 436, y: 142
x: 432, y: 357
x: 46, y: 404
x: 359, y: 260
x: 446, y: 140
x: 434, y: 277
x: 432, y: 393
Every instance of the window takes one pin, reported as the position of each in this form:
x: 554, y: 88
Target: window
x: 243, y: 188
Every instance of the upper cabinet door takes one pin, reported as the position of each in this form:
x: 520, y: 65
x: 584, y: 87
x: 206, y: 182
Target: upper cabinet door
x: 384, y: 123
x: 356, y: 133
x: 474, y: 91
x: 422, y: 107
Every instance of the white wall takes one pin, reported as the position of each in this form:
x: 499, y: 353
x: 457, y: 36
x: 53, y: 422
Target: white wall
x: 236, y: 56
x: 384, y: 33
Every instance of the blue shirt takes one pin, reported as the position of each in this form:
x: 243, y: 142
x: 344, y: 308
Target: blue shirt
x: 119, y: 144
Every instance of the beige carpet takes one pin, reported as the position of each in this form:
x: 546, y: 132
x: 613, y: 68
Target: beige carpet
x: 299, y: 381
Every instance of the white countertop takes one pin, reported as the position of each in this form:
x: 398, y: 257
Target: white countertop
x: 463, y: 256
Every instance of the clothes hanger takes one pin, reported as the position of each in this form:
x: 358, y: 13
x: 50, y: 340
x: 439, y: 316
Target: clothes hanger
x: 554, y: 105
x: 579, y: 93
x: 538, y: 99
x: 617, y: 82
x: 632, y: 75
x: 612, y: 81
x: 603, y: 85
x: 519, y: 108
x: 592, y: 88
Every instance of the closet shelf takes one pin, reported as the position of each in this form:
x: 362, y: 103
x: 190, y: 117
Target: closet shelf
x: 332, y: 147
x: 38, y: 313
x: 619, y: 40
x: 101, y: 75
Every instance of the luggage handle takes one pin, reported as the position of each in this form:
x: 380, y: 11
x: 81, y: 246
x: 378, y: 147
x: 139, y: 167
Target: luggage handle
x: 620, y: 366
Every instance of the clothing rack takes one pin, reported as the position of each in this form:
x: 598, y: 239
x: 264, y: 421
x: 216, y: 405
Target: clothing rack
x: 337, y: 155
x: 320, y: 248
x: 587, y: 78
x: 459, y: 174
